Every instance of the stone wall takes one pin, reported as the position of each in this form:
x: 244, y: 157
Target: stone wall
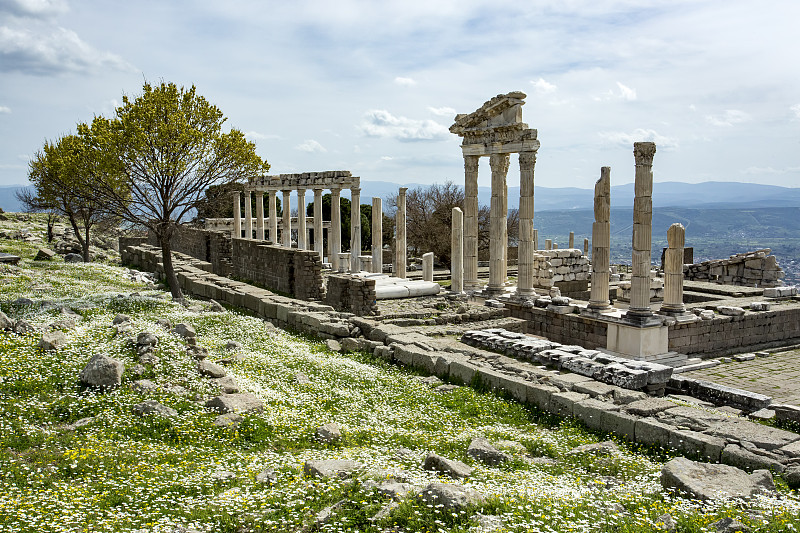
x: 351, y: 294
x: 562, y: 328
x: 124, y: 242
x: 286, y: 270
x: 567, y: 269
x: 656, y: 290
x: 751, y: 269
x: 213, y: 247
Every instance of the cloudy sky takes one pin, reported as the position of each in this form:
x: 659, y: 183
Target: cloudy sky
x: 372, y: 87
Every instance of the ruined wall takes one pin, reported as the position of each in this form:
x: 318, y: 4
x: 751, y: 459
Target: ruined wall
x: 351, y: 294
x: 567, y: 269
x: 286, y: 270
x: 210, y: 246
x: 563, y: 328
x: 750, y: 269
x: 124, y: 242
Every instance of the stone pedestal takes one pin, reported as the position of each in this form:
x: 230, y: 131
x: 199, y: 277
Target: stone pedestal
x: 237, y: 215
x: 260, y: 216
x: 457, y: 252
x: 471, y: 222
x: 302, y: 232
x: 286, y: 232
x: 498, y: 238
x: 642, y: 232
x: 355, y: 230
x: 248, y: 215
x: 377, y: 236
x: 366, y: 263
x: 343, y: 260
x: 427, y: 266
x: 673, y: 271
x: 318, y: 240
x: 601, y: 242
x: 335, y: 233
x: 400, y: 235
x: 637, y: 342
x: 527, y: 247
x: 273, y: 218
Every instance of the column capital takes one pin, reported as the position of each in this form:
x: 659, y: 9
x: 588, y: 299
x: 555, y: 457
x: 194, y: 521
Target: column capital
x: 403, y: 191
x: 527, y: 159
x: 676, y: 236
x: 643, y: 152
x: 355, y: 190
x: 238, y: 194
x: 499, y: 162
x: 335, y: 192
x: 471, y: 163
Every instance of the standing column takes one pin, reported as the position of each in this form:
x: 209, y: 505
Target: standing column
x: 260, y: 215
x: 286, y: 232
x: 237, y: 215
x: 355, y: 229
x: 527, y: 160
x: 497, y: 223
x: 301, y: 219
x: 377, y: 235
x: 427, y: 266
x: 586, y: 247
x: 642, y: 230
x: 457, y: 252
x: 571, y: 240
x: 548, y: 244
x: 535, y: 239
x: 335, y: 233
x: 318, y: 222
x: 601, y: 241
x: 400, y: 235
x: 471, y: 222
x: 273, y: 218
x: 248, y: 215
x: 673, y: 271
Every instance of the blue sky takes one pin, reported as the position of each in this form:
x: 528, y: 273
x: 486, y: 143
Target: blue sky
x: 372, y: 87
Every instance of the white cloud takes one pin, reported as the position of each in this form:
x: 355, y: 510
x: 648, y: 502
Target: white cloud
x: 626, y: 93
x: 408, y: 82
x: 638, y: 135
x: 381, y: 123
x: 34, y: 8
x: 310, y: 146
x: 256, y: 136
x: 5, y: 109
x: 443, y: 111
x: 728, y: 118
x: 386, y: 158
x: 543, y: 87
x: 770, y: 170
x: 796, y: 110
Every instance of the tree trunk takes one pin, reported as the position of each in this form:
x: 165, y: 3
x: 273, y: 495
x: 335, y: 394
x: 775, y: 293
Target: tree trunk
x: 51, y: 221
x: 85, y: 245
x: 169, y: 269
x: 83, y: 242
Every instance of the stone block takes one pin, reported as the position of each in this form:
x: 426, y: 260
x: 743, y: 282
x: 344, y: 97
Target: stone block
x: 463, y: 371
x: 539, y: 395
x: 562, y: 403
x: 515, y: 386
x: 619, y: 423
x: 594, y: 388
x: 689, y: 442
x: 739, y: 457
x: 566, y: 381
x: 590, y: 412
x: 652, y: 432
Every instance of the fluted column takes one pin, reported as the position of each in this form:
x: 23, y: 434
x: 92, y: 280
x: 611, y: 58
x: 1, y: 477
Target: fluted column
x: 286, y: 233
x: 527, y: 161
x: 318, y: 240
x: 377, y: 235
x: 673, y: 271
x: 642, y: 230
x: 535, y: 239
x: 335, y: 233
x: 237, y: 215
x: 601, y: 241
x: 400, y: 235
x: 355, y: 229
x: 498, y: 223
x: 548, y: 244
x: 260, y: 215
x: 471, y: 222
x: 273, y: 217
x: 301, y: 219
x: 248, y: 215
x: 457, y: 252
x: 571, y: 240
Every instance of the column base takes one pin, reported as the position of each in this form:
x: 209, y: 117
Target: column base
x: 525, y: 293
x: 642, y: 318
x: 598, y: 307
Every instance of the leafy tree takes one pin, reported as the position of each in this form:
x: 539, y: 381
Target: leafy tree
x: 168, y: 147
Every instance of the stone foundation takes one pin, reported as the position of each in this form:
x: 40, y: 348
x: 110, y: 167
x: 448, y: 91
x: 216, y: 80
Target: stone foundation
x: 563, y: 328
x: 750, y: 269
x: 353, y: 294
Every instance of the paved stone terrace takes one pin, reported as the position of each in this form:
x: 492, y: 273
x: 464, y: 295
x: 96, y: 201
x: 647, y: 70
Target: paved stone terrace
x: 777, y: 375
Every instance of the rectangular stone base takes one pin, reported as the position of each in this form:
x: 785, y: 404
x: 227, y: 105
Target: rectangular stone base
x: 637, y: 342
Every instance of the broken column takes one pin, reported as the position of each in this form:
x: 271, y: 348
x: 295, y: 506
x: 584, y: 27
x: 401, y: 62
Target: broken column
x: 525, y: 277
x: 260, y: 215
x: 601, y: 242
x: 335, y: 233
x: 548, y: 244
x: 535, y: 239
x: 237, y: 215
x: 355, y: 229
x: 273, y: 217
x: 639, y: 308
x: 286, y: 232
x: 673, y: 271
x: 377, y: 235
x: 498, y: 224
x: 457, y: 252
x: 318, y: 223
x: 471, y: 222
x: 571, y: 240
x: 301, y: 219
x: 400, y: 235
x: 585, y: 246
x: 427, y: 266
x: 248, y: 215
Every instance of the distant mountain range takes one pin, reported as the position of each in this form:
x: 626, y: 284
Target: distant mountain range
x: 707, y: 195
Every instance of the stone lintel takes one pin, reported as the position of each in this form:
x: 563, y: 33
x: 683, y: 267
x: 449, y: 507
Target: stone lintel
x: 333, y: 179
x: 526, y: 145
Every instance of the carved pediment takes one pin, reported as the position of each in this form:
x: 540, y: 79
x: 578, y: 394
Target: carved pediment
x: 504, y: 111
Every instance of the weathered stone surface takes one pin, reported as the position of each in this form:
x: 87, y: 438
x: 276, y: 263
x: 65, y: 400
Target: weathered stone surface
x: 333, y: 467
x: 765, y: 437
x: 120, y: 319
x: 711, y: 481
x: 226, y: 420
x: 482, y: 450
x: 52, y: 340
x: 236, y: 403
x: 143, y: 386
x: 152, y: 407
x: 44, y: 255
x: 267, y: 476
x: 649, y: 406
x: 729, y: 525
x: 607, y: 447
x: 211, y: 370
x: 102, y: 371
x: 748, y: 461
x: 73, y: 258
x: 450, y: 467
x: 792, y: 476
x: 333, y: 345
x: 789, y: 413
x: 23, y: 327
x: 185, y: 330
x: 226, y: 384
x: 5, y: 322
x: 450, y: 495
x: 328, y: 433
x: 146, y: 338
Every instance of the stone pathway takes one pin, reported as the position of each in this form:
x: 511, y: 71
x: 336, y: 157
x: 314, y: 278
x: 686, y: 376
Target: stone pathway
x: 777, y: 375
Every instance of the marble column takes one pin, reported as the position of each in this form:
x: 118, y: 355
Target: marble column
x: 427, y: 266
x: 273, y: 218
x: 548, y: 244
x: 318, y: 240
x: 366, y: 263
x: 286, y: 232
x: 673, y: 271
x: 571, y: 240
x: 335, y: 233
x: 525, y: 277
x: 498, y: 223
x: 248, y: 215
x: 585, y: 246
x: 457, y: 252
x: 237, y: 215
x: 377, y: 235
x: 355, y: 229
x: 535, y: 239
x: 471, y: 222
x: 601, y: 243
x: 642, y: 231
x: 301, y: 219
x: 400, y: 235
x: 260, y: 215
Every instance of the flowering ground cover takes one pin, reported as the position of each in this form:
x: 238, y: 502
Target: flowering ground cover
x: 75, y: 460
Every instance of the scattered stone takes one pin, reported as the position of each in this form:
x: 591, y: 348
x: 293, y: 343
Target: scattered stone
x: 137, y: 370
x: 163, y: 323
x: 446, y: 388
x: 152, y: 407
x: 760, y: 306
x: 268, y: 476
x: 333, y: 345
x: 144, y: 386
x: 665, y: 522
x: 329, y: 433
x: 223, y: 475
x: 598, y: 448
x: 5, y: 322
x: 706, y: 314
x: 228, y: 420
x: 44, y: 255
x: 394, y: 489
x: 512, y: 445
x: 792, y: 476
x: 211, y: 370
x: 326, y: 514
x: 332, y: 467
x: 197, y: 351
x: 73, y: 258
x: 730, y: 310
x: 706, y: 481
x: 148, y: 358
x: 729, y: 525
x: 763, y: 414
x: 451, y: 496
x: 146, y: 338
x: 744, y: 357
x: 185, y: 330
x: 233, y: 346
x: 430, y: 381
x: 242, y: 402
x: 762, y: 354
x: 450, y: 467
x: 216, y: 307
x: 120, y: 319
x: 301, y: 379
x: 52, y: 341
x: 23, y: 327
x: 404, y: 453
x: 83, y: 422
x: 226, y: 384
x: 482, y: 450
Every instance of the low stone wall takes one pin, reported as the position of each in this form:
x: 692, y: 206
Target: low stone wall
x: 287, y: 270
x: 656, y: 290
x: 751, y: 269
x: 352, y: 294
x: 124, y: 242
x: 564, y: 328
x: 213, y: 247
x: 567, y: 269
